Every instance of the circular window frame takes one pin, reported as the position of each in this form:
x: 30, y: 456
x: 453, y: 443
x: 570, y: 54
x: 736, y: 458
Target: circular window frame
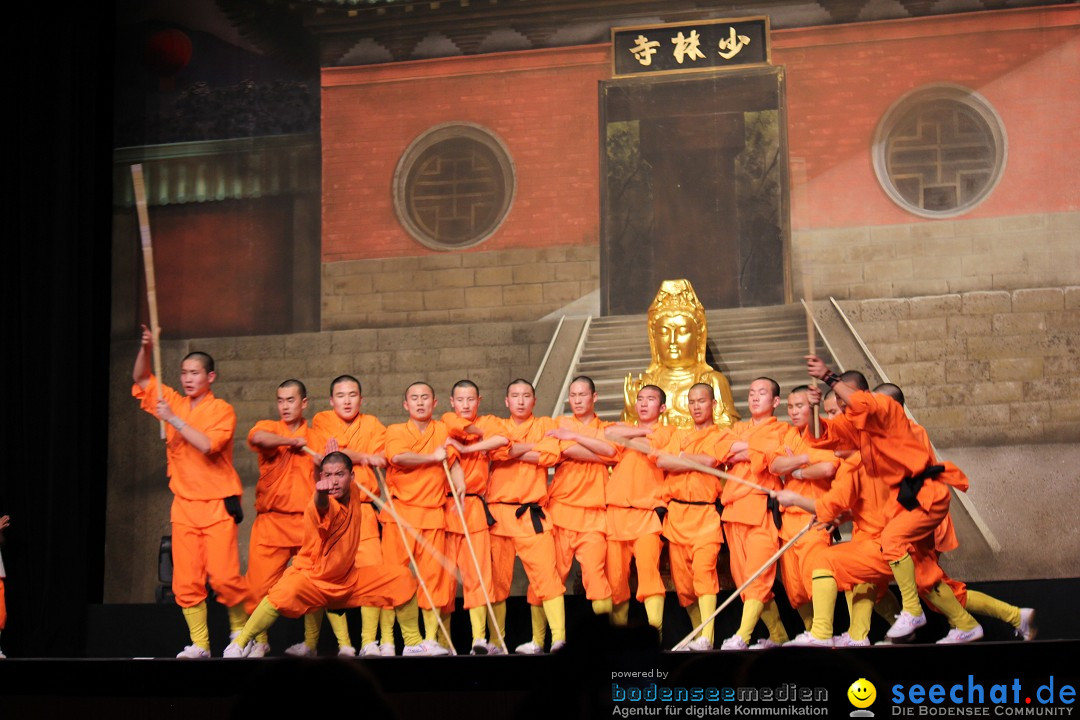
x: 955, y: 93
x: 427, y: 140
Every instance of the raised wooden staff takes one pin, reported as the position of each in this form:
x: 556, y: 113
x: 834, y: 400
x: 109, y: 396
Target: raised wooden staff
x: 811, y: 340
x: 148, y: 266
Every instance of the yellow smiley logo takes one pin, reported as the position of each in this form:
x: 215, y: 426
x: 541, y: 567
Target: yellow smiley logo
x: 862, y: 693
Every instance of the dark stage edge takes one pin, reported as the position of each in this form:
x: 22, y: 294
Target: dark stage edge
x: 577, y: 682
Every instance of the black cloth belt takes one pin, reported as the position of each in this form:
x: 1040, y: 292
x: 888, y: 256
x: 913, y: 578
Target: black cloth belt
x: 483, y: 501
x: 773, y: 506
x: 660, y: 511
x: 910, y: 486
x: 535, y: 512
x: 716, y: 504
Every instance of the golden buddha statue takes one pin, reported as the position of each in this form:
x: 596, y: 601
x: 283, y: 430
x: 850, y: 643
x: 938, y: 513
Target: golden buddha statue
x: 677, y: 340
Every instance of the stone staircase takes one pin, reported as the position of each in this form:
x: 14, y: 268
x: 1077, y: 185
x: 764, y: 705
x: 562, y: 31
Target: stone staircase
x: 744, y: 343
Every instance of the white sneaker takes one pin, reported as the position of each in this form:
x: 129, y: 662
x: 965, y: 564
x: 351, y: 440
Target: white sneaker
x: 494, y: 649
x: 1028, y: 629
x: 259, y: 650
x: 957, y: 636
x: 346, y: 651
x: 428, y: 648
x: 805, y: 639
x: 388, y: 649
x: 529, y: 648
x: 906, y: 624
x: 481, y: 647
x: 845, y: 640
x: 735, y: 642
x: 764, y: 644
x: 370, y: 650
x: 234, y: 651
x: 300, y: 650
x: 2, y: 655
x: 193, y: 652
x: 558, y: 645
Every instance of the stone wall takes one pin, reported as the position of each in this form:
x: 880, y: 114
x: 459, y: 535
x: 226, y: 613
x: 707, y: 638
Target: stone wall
x: 249, y: 369
x: 501, y: 285
x: 945, y: 256
x: 983, y: 367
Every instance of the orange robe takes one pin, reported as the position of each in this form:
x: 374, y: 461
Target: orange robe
x: 692, y: 523
x: 204, y: 535
x: 283, y: 490
x: 324, y: 573
x: 794, y: 519
x: 418, y: 495
x: 365, y: 434
x: 578, y: 517
x: 475, y: 469
x: 634, y: 491
x: 517, y: 491
x: 891, y: 452
x: 749, y: 526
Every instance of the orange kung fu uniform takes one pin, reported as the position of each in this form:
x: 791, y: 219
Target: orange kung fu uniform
x: 474, y: 467
x: 892, y: 453
x: 204, y: 535
x: 692, y: 523
x: 365, y: 434
x: 749, y: 524
x: 281, y: 494
x: 324, y: 573
x: 418, y: 495
x: 517, y: 491
x: 578, y: 517
x: 634, y: 491
x: 794, y: 519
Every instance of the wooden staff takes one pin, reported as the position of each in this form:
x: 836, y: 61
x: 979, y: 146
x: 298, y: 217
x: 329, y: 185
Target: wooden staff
x: 738, y: 591
x: 811, y: 340
x: 690, y: 463
x: 459, y: 503
x: 148, y: 266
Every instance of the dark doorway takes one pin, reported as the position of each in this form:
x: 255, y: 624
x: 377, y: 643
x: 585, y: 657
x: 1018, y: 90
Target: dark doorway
x: 695, y: 186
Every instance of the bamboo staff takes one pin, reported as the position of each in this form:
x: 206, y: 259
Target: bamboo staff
x: 148, y: 266
x: 460, y: 505
x: 811, y: 340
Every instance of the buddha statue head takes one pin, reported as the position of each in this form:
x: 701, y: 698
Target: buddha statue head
x: 677, y: 327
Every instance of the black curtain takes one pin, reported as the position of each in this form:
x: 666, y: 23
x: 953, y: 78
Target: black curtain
x: 56, y: 244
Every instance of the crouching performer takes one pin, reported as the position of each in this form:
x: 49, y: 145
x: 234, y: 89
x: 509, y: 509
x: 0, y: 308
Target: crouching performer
x: 324, y: 574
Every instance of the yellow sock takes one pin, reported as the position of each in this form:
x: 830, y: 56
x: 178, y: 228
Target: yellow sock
x: 979, y: 603
x: 539, y: 624
x: 263, y: 617
x: 770, y: 615
x: 860, y: 610
x: 408, y: 618
x: 806, y: 614
x: 499, y: 609
x: 823, y: 591
x: 903, y: 571
x: 706, y: 605
x: 387, y: 617
x: 263, y: 637
x: 751, y: 613
x: 431, y: 624
x: 654, y: 610
x: 444, y: 639
x: 313, y: 627
x: 620, y: 614
x: 943, y: 599
x: 478, y: 622
x: 887, y: 606
x: 602, y: 607
x: 195, y: 617
x: 237, y: 618
x: 695, y: 614
x: 555, y: 615
x: 369, y: 624
x: 340, y: 625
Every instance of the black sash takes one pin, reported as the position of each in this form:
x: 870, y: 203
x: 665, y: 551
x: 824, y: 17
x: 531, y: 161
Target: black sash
x: 483, y: 501
x: 910, y: 486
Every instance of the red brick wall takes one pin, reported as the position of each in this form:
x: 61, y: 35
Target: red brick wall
x: 542, y: 104
x: 841, y: 81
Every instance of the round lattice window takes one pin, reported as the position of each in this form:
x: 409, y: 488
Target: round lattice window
x: 453, y: 186
x: 939, y: 151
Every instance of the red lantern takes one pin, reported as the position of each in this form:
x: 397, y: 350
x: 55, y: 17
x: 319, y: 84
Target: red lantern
x: 167, y: 52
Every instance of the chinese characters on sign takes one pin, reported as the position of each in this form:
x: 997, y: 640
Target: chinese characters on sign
x: 705, y: 45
